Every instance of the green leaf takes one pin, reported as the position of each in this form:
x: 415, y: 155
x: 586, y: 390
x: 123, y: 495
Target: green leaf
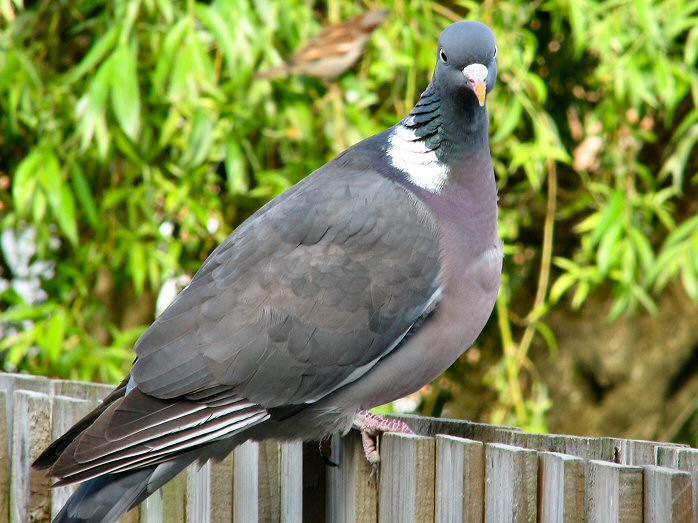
x: 200, y: 141
x: 24, y: 181
x: 561, y: 286
x: 609, y: 247
x: 682, y: 232
x: 610, y: 215
x: 38, y: 207
x: 211, y: 18
x: 66, y: 215
x: 510, y: 121
x: 581, y: 294
x: 50, y: 179
x: 237, y: 178
x: 547, y: 334
x: 137, y: 265
x: 643, y: 248
x: 95, y: 55
x: 689, y: 278
x: 167, y: 10
x: 54, y: 336
x: 169, y: 54
x: 125, y: 95
x: 84, y: 195
x: 690, y: 50
x: 92, y: 109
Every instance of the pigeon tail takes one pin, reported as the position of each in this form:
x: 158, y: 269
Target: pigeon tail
x: 106, y: 498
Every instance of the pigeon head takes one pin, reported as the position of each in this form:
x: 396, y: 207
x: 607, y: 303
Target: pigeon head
x: 466, y: 63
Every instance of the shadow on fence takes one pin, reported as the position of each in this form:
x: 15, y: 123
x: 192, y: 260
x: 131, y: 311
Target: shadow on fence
x: 454, y: 471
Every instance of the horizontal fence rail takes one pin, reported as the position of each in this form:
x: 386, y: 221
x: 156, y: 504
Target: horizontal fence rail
x: 452, y: 471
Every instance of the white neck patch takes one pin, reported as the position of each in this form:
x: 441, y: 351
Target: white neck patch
x: 409, y: 154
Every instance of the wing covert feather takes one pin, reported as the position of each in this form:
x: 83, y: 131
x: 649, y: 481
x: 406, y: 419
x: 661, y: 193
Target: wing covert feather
x: 319, y: 282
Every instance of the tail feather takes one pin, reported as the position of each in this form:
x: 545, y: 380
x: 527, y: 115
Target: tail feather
x: 105, y: 499
x: 49, y: 456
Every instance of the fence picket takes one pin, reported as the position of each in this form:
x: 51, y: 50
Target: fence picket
x: 31, y: 433
x: 352, y: 489
x: 65, y: 412
x: 460, y: 480
x: 560, y: 488
x: 668, y: 496
x: 406, y: 482
x: 511, y: 483
x: 614, y: 492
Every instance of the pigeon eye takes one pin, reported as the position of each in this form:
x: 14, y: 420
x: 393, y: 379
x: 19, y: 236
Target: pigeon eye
x: 495, y: 53
x: 443, y: 56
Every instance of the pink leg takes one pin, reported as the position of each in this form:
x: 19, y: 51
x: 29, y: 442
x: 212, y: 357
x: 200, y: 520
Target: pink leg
x: 371, y: 425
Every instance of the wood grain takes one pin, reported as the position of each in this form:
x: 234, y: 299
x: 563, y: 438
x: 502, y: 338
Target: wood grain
x: 560, y: 488
x: 511, y: 484
x: 406, y: 481
x: 460, y: 480
x: 614, y: 492
x: 668, y: 495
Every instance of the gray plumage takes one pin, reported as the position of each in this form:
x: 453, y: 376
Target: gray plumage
x: 359, y: 285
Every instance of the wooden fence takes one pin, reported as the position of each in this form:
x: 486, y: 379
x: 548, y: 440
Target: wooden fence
x: 454, y: 471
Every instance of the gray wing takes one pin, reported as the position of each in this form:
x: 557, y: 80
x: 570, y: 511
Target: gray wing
x: 305, y: 296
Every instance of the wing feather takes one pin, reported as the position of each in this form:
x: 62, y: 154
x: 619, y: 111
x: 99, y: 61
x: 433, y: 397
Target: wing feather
x: 137, y: 428
x: 323, y: 281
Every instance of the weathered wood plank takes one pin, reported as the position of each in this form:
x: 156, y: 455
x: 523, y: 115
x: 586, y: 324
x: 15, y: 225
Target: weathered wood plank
x: 31, y: 433
x: 209, y: 492
x: 132, y: 516
x: 256, y: 482
x: 65, y: 412
x: 460, y: 480
x: 221, y: 481
x: 668, y: 495
x: 462, y: 428
x: 638, y: 452
x: 12, y: 382
x: 174, y: 499
x: 84, y: 390
x: 352, y: 492
x: 269, y: 488
x: 580, y: 446
x: 291, y: 481
x: 153, y: 508
x: 685, y: 459
x: 560, y: 488
x: 406, y: 483
x: 511, y: 482
x: 4, y: 459
x: 199, y: 493
x: 613, y: 492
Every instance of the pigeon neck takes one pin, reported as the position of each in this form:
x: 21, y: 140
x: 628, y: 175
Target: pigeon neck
x: 462, y: 124
x: 438, y: 134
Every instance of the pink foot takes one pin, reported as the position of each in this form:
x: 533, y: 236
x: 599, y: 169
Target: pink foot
x: 371, y: 426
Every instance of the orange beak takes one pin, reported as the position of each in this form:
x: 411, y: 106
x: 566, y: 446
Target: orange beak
x: 480, y: 90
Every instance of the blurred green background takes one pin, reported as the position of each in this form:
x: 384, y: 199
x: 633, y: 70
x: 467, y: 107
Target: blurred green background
x: 133, y: 139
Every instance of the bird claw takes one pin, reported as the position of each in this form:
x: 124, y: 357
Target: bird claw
x: 371, y: 426
x: 325, y: 449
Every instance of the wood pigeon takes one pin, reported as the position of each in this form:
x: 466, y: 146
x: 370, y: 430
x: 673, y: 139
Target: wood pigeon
x: 357, y: 286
